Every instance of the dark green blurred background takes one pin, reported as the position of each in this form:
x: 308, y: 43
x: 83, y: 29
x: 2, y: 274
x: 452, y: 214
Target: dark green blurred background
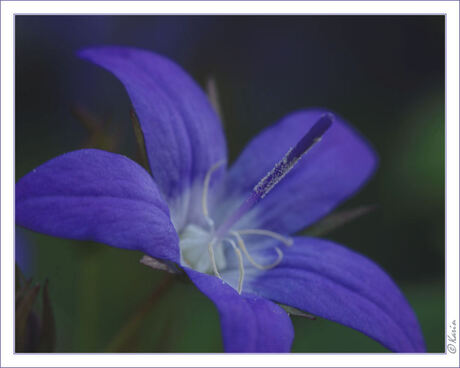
x: 384, y: 74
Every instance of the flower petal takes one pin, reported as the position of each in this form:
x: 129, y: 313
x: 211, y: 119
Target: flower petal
x: 333, y: 282
x: 100, y: 196
x: 333, y: 170
x: 24, y: 252
x: 183, y: 135
x: 249, y: 323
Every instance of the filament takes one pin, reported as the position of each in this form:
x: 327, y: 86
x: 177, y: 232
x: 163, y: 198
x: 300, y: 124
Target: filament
x: 204, y: 198
x: 285, y: 240
x: 213, y: 259
x: 249, y: 257
x: 240, y: 264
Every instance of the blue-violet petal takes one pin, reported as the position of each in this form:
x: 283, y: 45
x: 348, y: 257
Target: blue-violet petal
x: 183, y: 135
x: 333, y: 282
x: 100, y: 196
x: 335, y: 168
x: 249, y: 323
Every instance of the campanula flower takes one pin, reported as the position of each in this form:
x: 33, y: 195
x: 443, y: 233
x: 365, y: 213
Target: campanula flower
x: 232, y: 230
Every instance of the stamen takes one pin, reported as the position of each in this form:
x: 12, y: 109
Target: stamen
x: 240, y: 264
x: 204, y: 198
x: 283, y: 239
x: 280, y: 170
x: 213, y: 259
x: 253, y: 262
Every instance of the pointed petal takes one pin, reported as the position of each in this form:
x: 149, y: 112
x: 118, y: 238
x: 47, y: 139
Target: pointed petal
x: 100, y: 196
x: 249, y: 323
x: 333, y: 282
x: 182, y: 133
x: 331, y: 171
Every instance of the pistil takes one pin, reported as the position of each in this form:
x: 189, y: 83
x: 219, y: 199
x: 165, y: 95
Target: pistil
x: 279, y: 171
x: 260, y: 190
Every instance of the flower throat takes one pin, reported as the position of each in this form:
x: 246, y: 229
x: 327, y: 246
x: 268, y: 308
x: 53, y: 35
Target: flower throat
x: 224, y: 234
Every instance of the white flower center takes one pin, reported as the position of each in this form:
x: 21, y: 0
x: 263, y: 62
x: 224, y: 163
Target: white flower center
x: 193, y: 244
x: 203, y: 250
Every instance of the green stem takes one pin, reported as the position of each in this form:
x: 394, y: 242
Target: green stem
x: 128, y: 332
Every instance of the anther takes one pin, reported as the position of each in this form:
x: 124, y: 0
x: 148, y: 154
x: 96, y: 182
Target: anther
x: 249, y: 257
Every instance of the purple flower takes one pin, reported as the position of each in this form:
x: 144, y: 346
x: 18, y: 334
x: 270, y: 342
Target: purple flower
x: 230, y: 230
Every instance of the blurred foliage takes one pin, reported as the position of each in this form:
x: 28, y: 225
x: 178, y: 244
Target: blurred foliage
x: 336, y: 219
x: 33, y: 333
x: 384, y: 74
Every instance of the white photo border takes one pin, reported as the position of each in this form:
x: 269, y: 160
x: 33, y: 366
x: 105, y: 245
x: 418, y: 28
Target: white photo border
x: 8, y: 10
